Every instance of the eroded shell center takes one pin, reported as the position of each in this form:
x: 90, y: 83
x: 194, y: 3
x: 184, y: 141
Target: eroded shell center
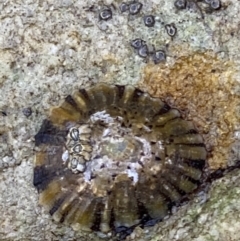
x: 105, y: 147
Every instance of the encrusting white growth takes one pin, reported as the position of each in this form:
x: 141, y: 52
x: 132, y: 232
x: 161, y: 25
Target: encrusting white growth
x: 112, y: 151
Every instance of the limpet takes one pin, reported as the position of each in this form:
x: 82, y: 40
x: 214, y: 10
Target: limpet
x: 112, y: 157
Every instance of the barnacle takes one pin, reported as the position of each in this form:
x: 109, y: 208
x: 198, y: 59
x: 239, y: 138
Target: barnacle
x: 137, y: 43
x: 143, y: 51
x: 27, y: 111
x: 149, y: 20
x: 171, y: 29
x: 215, y: 4
x: 112, y: 157
x: 158, y: 56
x: 105, y: 14
x: 123, y: 7
x: 135, y: 7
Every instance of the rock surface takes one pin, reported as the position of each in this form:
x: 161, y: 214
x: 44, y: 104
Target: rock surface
x: 50, y: 48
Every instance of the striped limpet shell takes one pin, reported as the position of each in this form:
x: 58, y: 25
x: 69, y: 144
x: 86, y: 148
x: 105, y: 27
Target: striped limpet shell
x: 112, y: 157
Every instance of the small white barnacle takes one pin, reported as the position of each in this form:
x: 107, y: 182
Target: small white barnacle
x: 76, y: 163
x: 111, y: 144
x: 171, y: 29
x: 105, y: 14
x: 73, y: 163
x: 149, y: 20
x: 135, y: 7
x: 143, y: 51
x: 215, y: 4
x: 124, y: 7
x: 77, y: 148
x: 137, y: 43
x: 74, y: 134
x: 158, y: 56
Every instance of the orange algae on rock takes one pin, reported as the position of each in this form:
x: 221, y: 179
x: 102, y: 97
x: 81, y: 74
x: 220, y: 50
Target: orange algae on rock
x: 202, y: 86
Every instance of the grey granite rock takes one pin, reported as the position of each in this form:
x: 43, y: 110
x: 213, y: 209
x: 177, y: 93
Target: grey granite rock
x: 48, y: 49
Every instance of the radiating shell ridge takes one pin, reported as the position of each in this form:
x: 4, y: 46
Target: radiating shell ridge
x: 112, y: 157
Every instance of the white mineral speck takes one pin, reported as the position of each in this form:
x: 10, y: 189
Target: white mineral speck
x: 65, y: 156
x: 133, y: 173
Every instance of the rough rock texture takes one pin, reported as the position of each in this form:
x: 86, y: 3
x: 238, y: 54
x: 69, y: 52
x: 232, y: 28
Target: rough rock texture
x: 49, y: 48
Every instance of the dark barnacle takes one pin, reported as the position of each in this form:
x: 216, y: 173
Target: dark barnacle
x: 141, y: 47
x: 158, y: 56
x: 149, y: 20
x: 105, y: 14
x: 112, y: 157
x: 135, y: 7
x: 143, y: 51
x: 137, y: 43
x: 171, y: 29
x: 180, y: 4
x: 124, y: 7
x: 27, y: 111
x: 215, y: 4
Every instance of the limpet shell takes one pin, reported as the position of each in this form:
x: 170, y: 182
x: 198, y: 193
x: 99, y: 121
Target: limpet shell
x: 111, y: 157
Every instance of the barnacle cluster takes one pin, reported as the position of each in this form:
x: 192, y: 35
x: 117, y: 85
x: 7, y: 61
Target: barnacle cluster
x: 112, y: 157
x: 143, y: 51
x: 132, y: 7
x: 211, y: 5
